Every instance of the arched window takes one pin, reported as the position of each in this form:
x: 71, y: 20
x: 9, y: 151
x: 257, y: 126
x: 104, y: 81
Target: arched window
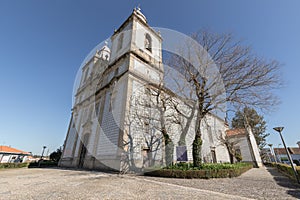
x: 148, y: 42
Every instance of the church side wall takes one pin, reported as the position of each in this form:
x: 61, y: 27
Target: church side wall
x: 70, y: 141
x: 110, y: 130
x: 255, y: 149
x: 244, y: 147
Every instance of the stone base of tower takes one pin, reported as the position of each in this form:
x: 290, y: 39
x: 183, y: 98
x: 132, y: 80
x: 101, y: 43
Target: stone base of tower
x: 92, y: 164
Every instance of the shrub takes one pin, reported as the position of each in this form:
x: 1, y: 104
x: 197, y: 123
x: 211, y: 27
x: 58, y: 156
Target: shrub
x: 238, y: 157
x: 285, y: 169
x: 211, y: 166
x: 187, y: 170
x: 55, y: 156
x: 13, y: 165
x: 43, y: 163
x: 284, y: 159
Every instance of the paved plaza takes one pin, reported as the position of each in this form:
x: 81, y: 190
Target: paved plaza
x: 263, y: 183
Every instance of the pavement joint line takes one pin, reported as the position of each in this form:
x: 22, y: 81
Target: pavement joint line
x: 194, y: 189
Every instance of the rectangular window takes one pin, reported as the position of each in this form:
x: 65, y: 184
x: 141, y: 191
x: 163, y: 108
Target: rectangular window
x: 213, y: 155
x: 110, y: 102
x: 97, y: 108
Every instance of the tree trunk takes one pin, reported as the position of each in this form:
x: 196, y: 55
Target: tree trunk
x: 186, y: 128
x: 231, y: 156
x: 169, y: 149
x: 197, y: 143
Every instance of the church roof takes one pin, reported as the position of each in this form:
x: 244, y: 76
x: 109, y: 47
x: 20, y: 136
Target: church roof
x: 7, y: 149
x: 236, y: 132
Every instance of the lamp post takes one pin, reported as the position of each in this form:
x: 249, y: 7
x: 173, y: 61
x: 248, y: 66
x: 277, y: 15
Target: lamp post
x: 279, y: 130
x: 44, y: 147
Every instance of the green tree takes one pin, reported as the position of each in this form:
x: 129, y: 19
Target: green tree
x: 255, y: 121
x: 55, y: 156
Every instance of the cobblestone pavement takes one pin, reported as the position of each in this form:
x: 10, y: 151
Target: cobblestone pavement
x: 257, y: 183
x: 74, y: 184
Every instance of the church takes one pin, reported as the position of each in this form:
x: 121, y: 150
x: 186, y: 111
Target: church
x: 117, y: 122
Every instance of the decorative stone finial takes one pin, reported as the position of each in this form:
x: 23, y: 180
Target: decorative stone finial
x: 138, y: 12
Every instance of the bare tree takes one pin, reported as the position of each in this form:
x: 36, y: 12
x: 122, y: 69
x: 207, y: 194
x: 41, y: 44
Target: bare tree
x: 231, y: 147
x: 181, y: 103
x: 138, y: 132
x: 160, y: 101
x: 240, y: 78
x: 151, y: 117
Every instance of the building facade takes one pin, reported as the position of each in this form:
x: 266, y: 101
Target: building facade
x: 244, y: 143
x: 12, y: 155
x: 117, y: 122
x: 281, y: 155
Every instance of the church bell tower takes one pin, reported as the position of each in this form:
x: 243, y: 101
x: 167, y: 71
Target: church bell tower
x: 136, y: 56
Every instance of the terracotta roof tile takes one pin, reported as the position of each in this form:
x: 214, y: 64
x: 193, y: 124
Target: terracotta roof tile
x: 292, y: 150
x: 236, y: 132
x: 6, y: 149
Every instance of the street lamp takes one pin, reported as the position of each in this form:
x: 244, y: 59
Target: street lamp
x: 44, y: 147
x: 279, y: 130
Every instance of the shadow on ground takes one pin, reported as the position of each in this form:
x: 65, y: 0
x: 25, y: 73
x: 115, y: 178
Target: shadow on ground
x: 79, y: 171
x: 284, y: 181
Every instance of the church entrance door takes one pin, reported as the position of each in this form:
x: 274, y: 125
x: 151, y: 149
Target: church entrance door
x: 82, y: 156
x: 83, y: 151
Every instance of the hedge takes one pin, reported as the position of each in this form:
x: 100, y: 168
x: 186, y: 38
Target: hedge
x: 285, y: 169
x: 13, y: 165
x: 43, y: 163
x: 207, y: 166
x: 217, y: 172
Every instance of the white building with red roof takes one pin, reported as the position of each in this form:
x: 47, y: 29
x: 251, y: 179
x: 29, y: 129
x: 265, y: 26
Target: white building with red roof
x: 12, y: 155
x: 245, y: 143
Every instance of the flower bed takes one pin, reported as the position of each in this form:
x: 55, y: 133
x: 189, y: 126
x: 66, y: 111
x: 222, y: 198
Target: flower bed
x: 205, y: 171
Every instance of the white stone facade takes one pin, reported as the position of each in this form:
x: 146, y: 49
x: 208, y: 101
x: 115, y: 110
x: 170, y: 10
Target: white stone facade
x: 245, y: 143
x: 108, y: 130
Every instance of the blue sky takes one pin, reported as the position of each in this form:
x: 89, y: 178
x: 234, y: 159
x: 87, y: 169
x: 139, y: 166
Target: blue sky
x: 42, y: 44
